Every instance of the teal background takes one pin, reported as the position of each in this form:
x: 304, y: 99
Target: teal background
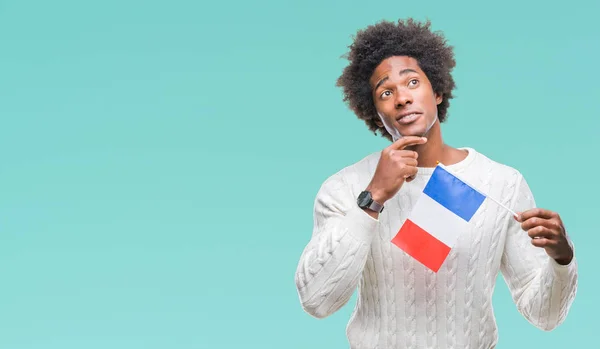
x: 159, y: 160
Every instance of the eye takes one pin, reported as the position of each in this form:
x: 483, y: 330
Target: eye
x: 413, y: 82
x: 385, y: 94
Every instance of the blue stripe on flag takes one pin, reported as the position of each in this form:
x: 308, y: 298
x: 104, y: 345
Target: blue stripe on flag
x: 453, y: 194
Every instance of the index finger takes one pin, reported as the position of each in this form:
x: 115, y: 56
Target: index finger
x: 404, y: 142
x: 536, y: 212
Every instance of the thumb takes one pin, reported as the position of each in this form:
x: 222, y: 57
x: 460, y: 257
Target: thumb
x: 518, y: 217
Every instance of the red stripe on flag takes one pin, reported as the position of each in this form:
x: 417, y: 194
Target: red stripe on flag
x: 422, y: 246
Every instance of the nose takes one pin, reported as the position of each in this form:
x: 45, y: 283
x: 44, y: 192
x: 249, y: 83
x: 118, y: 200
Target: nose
x: 403, y: 97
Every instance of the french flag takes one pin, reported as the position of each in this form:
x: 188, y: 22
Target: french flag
x: 440, y: 215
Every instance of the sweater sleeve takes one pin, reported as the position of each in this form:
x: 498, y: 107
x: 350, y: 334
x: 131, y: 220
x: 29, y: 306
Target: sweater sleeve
x: 542, y: 289
x: 332, y: 262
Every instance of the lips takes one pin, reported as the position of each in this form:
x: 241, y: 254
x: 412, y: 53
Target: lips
x: 408, y: 117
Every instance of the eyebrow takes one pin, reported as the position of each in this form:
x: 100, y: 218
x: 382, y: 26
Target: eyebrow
x: 402, y: 72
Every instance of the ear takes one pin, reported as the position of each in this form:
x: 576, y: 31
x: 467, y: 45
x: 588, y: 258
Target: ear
x: 438, y: 99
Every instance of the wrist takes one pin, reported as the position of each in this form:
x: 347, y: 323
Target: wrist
x: 565, y: 260
x: 377, y: 195
x: 366, y: 202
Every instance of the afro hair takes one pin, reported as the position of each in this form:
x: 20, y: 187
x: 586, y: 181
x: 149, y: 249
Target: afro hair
x: 385, y: 39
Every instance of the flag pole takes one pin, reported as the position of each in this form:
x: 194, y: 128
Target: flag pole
x: 487, y: 196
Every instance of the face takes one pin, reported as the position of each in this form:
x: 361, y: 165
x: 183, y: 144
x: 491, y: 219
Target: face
x: 404, y: 97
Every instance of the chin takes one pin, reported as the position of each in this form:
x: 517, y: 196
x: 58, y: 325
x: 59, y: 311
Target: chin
x: 418, y: 129
x: 413, y: 131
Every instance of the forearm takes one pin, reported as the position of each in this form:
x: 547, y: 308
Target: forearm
x: 332, y: 262
x: 545, y: 300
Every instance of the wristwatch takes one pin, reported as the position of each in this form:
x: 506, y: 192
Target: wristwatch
x: 365, y: 200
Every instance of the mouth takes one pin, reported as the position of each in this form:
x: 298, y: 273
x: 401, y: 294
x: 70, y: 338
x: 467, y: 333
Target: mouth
x: 407, y: 118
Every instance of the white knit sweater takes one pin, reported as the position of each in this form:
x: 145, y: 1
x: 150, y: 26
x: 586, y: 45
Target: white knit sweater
x: 402, y: 304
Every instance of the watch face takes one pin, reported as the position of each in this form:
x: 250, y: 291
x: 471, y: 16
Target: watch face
x: 364, y: 198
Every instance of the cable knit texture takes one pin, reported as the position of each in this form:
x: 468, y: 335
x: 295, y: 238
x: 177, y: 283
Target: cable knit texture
x: 401, y: 303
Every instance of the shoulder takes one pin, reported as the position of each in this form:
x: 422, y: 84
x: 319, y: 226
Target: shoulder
x: 484, y: 161
x: 508, y: 183
x: 499, y: 172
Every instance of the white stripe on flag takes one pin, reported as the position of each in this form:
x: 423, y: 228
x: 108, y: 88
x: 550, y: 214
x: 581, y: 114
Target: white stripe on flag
x: 437, y: 220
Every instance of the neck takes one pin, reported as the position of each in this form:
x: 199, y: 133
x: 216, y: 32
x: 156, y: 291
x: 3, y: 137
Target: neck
x: 435, y: 150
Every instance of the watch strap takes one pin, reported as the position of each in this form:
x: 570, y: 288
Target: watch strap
x: 375, y: 206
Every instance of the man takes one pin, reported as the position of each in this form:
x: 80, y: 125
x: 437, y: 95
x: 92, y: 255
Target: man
x: 399, y: 82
